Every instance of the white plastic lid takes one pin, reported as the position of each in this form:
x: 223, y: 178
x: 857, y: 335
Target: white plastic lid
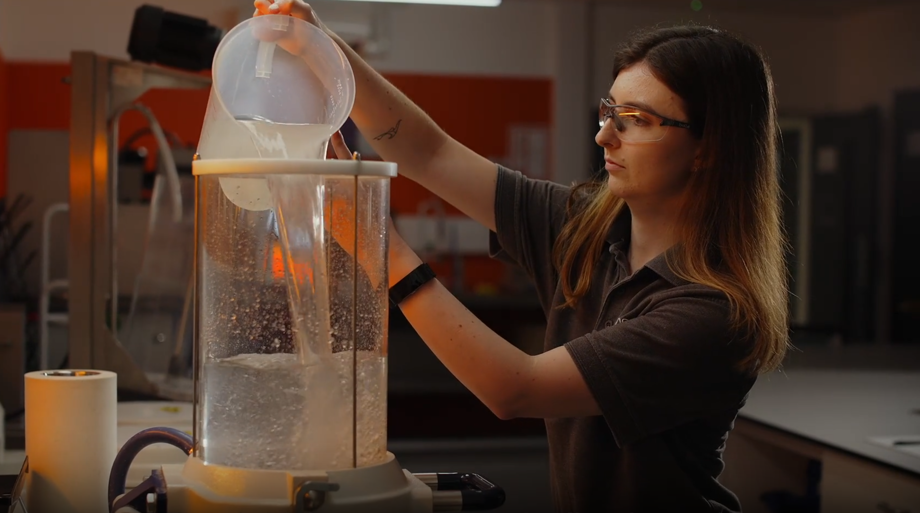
x: 243, y: 180
x: 230, y: 167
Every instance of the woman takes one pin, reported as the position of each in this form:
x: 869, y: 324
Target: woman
x: 663, y: 283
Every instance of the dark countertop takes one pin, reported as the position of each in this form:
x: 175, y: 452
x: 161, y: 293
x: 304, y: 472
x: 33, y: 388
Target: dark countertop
x: 851, y: 411
x: 852, y: 398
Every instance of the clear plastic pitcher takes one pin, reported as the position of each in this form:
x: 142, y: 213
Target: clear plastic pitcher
x: 281, y: 88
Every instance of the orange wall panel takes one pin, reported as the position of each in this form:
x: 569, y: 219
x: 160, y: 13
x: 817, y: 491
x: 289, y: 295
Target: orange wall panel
x: 4, y: 123
x: 38, y: 95
x: 40, y: 100
x: 476, y: 110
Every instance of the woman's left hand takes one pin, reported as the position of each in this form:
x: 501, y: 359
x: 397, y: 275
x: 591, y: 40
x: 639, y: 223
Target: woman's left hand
x: 403, y: 258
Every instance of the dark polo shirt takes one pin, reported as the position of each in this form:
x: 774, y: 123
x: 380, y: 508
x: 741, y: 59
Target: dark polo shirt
x: 657, y: 353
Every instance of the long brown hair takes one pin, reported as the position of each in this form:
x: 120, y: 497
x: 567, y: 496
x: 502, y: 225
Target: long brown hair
x: 730, y: 233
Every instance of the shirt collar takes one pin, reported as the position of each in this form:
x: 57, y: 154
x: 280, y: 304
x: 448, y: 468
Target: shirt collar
x: 618, y: 239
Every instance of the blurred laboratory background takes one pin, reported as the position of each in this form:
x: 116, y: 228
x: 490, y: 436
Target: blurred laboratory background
x: 837, y: 430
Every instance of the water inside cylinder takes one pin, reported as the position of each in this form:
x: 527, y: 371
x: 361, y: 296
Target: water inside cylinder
x: 275, y: 405
x: 269, y: 411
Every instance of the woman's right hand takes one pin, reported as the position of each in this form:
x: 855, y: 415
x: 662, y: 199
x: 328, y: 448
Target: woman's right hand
x: 295, y: 8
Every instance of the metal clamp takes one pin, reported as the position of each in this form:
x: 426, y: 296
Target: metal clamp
x: 311, y: 495
x: 455, y: 491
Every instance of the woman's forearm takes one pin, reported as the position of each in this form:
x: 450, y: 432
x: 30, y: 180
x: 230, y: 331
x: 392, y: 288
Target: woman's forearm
x: 488, y: 365
x: 401, y: 132
x: 397, y: 129
x: 492, y: 368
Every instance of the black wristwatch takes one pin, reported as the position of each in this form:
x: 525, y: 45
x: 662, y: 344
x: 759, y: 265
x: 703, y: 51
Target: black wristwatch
x: 410, y: 283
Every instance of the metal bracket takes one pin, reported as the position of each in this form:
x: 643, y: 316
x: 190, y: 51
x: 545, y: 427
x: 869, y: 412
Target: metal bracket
x: 100, y: 86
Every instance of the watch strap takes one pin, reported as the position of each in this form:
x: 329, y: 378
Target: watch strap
x: 411, y: 283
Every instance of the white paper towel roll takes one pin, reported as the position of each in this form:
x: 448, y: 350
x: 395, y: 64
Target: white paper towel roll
x: 70, y: 440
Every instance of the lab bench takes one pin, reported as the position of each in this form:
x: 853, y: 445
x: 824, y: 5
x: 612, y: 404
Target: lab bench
x: 823, y: 438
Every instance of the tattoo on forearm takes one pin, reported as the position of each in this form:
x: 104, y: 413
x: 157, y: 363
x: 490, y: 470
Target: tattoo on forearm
x: 389, y: 134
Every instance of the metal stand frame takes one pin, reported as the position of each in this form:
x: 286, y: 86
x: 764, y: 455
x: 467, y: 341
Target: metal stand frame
x: 99, y: 87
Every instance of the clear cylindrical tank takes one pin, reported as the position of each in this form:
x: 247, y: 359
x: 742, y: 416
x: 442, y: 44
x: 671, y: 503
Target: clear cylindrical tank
x: 291, y: 313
